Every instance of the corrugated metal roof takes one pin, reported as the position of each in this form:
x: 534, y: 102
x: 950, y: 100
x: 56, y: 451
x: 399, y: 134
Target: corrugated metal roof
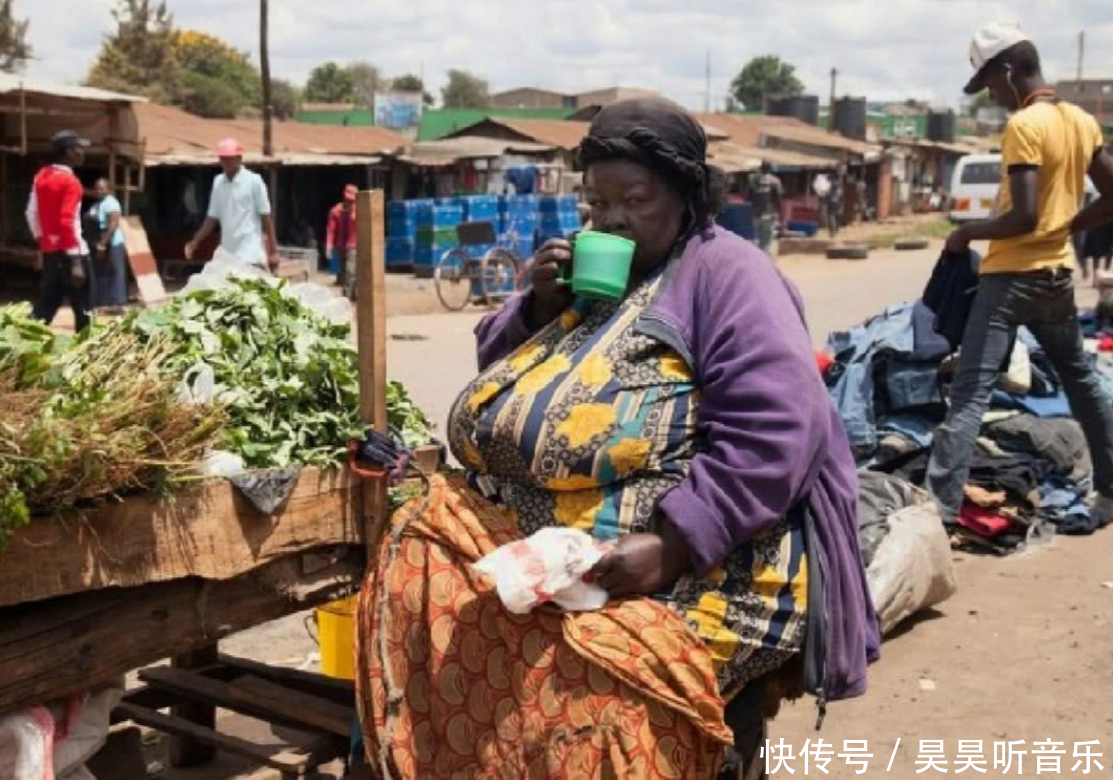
x: 749, y: 129
x: 11, y: 83
x: 815, y: 136
x: 559, y: 133
x: 746, y: 129
x: 174, y: 135
x: 295, y: 158
x: 923, y: 143
x: 725, y: 153
x: 732, y: 158
x: 438, y: 123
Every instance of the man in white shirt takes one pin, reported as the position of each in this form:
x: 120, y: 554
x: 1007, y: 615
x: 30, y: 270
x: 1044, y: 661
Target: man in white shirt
x: 240, y: 205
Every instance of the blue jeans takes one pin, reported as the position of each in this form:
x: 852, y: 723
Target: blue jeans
x: 1044, y: 302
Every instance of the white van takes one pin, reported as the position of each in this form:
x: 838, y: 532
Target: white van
x: 974, y: 187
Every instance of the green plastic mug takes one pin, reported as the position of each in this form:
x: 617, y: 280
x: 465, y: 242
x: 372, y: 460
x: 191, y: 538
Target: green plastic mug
x: 600, y: 265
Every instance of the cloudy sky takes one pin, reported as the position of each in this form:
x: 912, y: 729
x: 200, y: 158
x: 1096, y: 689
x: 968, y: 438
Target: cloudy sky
x: 884, y: 49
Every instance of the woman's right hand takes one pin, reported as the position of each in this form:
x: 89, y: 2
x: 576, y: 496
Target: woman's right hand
x: 551, y: 296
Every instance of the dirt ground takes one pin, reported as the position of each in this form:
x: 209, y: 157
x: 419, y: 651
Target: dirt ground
x: 1022, y: 652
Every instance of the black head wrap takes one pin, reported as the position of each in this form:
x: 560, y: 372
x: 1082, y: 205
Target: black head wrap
x: 660, y: 135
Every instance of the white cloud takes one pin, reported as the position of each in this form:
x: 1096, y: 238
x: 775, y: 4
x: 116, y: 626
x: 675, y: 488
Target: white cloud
x: 884, y: 49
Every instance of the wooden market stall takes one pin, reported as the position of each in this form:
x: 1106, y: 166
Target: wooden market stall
x: 31, y: 112
x: 87, y: 598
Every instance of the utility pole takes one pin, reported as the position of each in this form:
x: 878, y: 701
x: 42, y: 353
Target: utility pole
x: 707, y: 93
x: 831, y: 105
x: 265, y: 70
x: 1081, y: 51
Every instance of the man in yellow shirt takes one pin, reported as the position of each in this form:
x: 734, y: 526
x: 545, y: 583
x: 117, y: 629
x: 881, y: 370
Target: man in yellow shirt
x: 1026, y: 278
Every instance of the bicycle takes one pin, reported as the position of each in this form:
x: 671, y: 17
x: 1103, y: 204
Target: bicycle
x: 461, y: 279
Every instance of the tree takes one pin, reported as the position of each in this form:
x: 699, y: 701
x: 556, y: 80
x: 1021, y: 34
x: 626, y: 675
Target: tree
x: 284, y: 99
x: 411, y: 83
x: 139, y: 56
x: 14, y: 48
x: 209, y: 56
x: 209, y: 97
x: 329, y: 83
x: 765, y: 76
x: 365, y: 82
x: 464, y: 91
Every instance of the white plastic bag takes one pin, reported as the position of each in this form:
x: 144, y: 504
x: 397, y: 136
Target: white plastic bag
x: 547, y: 566
x: 214, y: 274
x: 87, y: 732
x: 1018, y: 377
x: 198, y: 386
x: 912, y: 568
x: 55, y: 740
x: 326, y: 302
x: 219, y: 463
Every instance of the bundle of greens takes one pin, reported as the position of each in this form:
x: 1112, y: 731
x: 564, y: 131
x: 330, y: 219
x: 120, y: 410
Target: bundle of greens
x: 136, y: 403
x: 90, y: 423
x: 287, y: 377
x: 27, y: 346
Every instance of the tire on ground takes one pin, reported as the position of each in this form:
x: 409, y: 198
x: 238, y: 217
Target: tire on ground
x: 910, y: 243
x: 848, y: 252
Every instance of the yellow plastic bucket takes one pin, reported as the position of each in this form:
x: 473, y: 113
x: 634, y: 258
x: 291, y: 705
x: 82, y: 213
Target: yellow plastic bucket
x: 335, y: 627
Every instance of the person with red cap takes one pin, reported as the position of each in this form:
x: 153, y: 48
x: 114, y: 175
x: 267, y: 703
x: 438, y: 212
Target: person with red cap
x: 239, y: 204
x: 54, y: 216
x: 340, y: 235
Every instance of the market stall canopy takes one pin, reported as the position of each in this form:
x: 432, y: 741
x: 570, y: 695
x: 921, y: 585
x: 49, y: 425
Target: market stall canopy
x: 174, y: 137
x: 32, y: 111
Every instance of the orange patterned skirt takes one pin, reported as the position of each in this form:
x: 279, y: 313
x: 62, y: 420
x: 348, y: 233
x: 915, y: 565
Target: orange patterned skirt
x: 452, y: 685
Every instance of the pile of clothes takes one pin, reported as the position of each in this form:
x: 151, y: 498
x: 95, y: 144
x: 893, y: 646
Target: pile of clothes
x: 1031, y: 471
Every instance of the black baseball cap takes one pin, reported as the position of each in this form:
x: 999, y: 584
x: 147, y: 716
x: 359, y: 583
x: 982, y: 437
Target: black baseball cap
x: 67, y: 139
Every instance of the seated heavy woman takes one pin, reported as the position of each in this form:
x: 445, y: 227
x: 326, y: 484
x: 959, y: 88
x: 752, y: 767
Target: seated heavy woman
x: 688, y: 423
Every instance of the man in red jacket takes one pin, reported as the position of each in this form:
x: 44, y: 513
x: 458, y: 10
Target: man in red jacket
x: 54, y: 215
x: 340, y: 236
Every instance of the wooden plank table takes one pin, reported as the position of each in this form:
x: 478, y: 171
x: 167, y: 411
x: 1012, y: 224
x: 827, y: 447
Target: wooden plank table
x: 212, y: 531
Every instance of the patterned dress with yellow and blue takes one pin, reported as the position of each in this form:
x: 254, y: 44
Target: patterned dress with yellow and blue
x: 588, y: 424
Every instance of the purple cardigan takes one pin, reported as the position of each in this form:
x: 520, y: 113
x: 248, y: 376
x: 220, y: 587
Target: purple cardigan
x: 774, y: 436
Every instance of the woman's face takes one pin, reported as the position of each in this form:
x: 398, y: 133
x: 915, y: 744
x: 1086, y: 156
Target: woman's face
x: 632, y: 201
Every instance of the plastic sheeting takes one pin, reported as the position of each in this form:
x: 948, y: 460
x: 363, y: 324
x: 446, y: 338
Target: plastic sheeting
x: 911, y: 569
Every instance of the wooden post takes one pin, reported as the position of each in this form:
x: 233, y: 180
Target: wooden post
x: 113, y: 134
x: 371, y: 340
x: 273, y: 178
x: 185, y: 752
x: 265, y: 73
x: 4, y: 234
x: 371, y: 308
